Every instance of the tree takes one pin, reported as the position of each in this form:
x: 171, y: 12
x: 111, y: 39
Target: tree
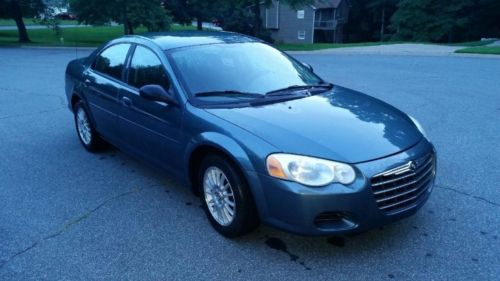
x: 185, y: 11
x: 16, y: 9
x: 485, y: 20
x: 381, y: 10
x: 431, y: 20
x: 130, y: 13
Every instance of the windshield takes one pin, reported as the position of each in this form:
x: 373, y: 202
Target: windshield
x: 234, y: 69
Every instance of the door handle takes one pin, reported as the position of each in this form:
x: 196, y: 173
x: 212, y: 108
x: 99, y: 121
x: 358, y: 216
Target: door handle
x: 126, y: 102
x: 86, y: 83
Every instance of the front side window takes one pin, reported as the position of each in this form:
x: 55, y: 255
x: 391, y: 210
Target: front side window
x: 112, y: 60
x: 147, y: 69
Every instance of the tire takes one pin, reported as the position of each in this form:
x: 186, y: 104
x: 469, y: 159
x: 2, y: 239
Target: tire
x: 85, y: 130
x: 217, y: 196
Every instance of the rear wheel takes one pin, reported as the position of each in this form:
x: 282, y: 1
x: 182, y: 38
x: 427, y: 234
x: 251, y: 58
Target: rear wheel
x: 86, y: 132
x: 225, y: 197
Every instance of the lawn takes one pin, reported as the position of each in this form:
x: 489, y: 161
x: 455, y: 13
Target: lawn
x: 30, y: 21
x: 472, y: 43
x: 74, y: 36
x: 484, y: 50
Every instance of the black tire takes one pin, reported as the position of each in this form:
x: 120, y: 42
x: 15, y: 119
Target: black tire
x: 246, y: 218
x: 94, y: 143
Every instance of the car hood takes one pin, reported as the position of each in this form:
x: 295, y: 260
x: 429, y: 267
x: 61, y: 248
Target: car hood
x: 341, y: 124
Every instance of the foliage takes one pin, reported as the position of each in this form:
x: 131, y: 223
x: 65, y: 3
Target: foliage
x: 48, y: 19
x: 369, y: 20
x: 431, y: 20
x: 186, y: 11
x: 130, y: 13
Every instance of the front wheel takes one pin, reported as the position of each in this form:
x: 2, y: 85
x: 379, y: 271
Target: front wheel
x: 87, y: 134
x: 226, y: 198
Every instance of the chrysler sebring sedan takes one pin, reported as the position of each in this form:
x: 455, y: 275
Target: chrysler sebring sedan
x: 257, y: 135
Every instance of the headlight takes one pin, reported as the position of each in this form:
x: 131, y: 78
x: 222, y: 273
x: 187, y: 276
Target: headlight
x: 419, y: 126
x: 308, y: 170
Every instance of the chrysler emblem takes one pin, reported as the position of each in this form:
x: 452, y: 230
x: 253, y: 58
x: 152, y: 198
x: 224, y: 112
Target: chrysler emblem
x: 413, y: 166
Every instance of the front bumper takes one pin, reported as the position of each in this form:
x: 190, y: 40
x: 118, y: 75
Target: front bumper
x: 335, y: 209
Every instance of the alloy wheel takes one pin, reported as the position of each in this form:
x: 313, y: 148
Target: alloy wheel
x: 83, y: 126
x: 219, y: 196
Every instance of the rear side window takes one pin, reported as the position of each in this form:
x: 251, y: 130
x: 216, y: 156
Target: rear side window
x: 112, y: 60
x: 147, y: 69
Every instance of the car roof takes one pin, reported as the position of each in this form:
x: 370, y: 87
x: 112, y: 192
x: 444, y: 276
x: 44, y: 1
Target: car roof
x: 180, y: 39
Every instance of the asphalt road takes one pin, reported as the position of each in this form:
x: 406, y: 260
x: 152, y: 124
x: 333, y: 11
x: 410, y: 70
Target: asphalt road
x: 66, y: 214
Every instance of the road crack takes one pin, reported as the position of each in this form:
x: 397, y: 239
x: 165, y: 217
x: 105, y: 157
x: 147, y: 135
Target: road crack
x: 468, y: 195
x: 75, y: 221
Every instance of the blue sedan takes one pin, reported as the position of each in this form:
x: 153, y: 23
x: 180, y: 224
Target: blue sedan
x: 255, y: 133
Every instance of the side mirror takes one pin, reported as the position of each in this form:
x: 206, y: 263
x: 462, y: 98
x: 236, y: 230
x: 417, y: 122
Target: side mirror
x: 308, y: 66
x: 157, y: 93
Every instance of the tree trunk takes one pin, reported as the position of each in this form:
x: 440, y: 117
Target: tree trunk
x: 199, y: 24
x: 257, y: 21
x: 17, y: 15
x: 382, y: 24
x: 130, y: 28
x: 450, y: 36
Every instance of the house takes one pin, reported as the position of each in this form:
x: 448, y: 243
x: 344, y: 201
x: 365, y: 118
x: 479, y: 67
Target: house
x: 320, y: 22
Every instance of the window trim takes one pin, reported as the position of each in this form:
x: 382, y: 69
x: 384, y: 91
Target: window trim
x: 299, y: 37
x: 127, y: 56
x: 301, y: 14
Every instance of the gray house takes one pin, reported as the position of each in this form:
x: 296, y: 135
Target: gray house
x: 321, y: 22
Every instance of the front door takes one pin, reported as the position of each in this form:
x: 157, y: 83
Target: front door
x: 101, y: 85
x: 149, y: 128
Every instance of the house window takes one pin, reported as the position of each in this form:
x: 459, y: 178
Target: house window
x: 300, y: 14
x: 302, y: 35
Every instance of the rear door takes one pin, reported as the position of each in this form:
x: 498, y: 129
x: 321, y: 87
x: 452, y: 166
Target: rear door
x: 102, y: 82
x: 150, y: 128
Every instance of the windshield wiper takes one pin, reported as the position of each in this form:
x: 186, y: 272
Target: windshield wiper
x: 229, y: 93
x: 295, y: 88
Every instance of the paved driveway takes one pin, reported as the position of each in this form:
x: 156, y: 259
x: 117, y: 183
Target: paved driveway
x: 69, y: 215
x: 406, y: 49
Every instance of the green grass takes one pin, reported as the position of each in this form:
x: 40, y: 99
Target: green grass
x: 322, y: 46
x: 491, y: 50
x: 30, y: 21
x: 472, y: 43
x: 75, y: 36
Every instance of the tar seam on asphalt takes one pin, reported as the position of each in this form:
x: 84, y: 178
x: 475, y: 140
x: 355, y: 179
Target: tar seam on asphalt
x: 468, y: 195
x: 76, y: 221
